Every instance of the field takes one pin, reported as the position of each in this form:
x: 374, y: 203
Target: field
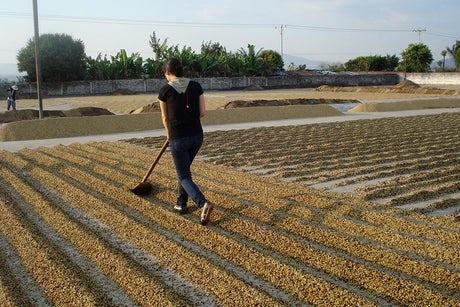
x: 71, y: 232
x: 124, y: 104
x: 352, y: 213
x: 409, y: 162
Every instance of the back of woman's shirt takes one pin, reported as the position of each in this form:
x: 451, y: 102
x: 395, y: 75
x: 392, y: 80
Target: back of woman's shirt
x: 183, y: 110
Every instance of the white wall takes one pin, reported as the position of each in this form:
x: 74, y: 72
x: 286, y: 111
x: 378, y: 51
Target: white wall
x: 438, y: 78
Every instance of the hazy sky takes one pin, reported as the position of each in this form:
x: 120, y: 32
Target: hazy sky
x: 324, y: 30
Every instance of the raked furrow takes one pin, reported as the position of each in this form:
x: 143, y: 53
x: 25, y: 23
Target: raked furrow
x: 165, y: 221
x: 46, y: 266
x: 259, y: 264
x: 132, y: 227
x: 93, y: 240
x: 243, y: 212
x: 17, y: 285
x: 306, y: 195
x: 73, y: 233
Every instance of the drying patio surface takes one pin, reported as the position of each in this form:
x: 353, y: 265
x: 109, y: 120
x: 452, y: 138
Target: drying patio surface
x: 406, y: 162
x: 72, y: 233
x: 342, y: 213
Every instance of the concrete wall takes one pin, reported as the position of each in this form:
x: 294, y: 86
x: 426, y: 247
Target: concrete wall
x: 439, y: 78
x: 153, y: 85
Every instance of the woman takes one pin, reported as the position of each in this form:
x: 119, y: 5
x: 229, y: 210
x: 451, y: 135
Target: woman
x: 182, y: 105
x: 11, y: 101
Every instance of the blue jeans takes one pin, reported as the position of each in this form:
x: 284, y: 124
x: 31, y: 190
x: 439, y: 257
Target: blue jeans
x: 11, y: 103
x: 183, y: 151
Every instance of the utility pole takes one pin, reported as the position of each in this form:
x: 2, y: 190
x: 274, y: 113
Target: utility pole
x: 281, y: 28
x: 37, y: 59
x: 419, y: 31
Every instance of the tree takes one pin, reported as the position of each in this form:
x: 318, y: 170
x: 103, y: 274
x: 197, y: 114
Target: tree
x: 189, y: 59
x: 161, y: 49
x: 252, y: 64
x: 440, y: 66
x: 373, y: 63
x: 212, y: 49
x: 62, y: 58
x: 293, y: 67
x: 443, y: 54
x: 455, y: 53
x: 120, y: 66
x: 213, y: 60
x: 127, y: 67
x: 416, y: 58
x: 273, y: 59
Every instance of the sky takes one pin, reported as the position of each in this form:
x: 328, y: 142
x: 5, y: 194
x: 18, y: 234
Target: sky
x: 330, y: 31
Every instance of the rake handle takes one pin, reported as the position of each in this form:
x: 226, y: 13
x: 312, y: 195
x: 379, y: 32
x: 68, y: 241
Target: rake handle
x: 162, y: 150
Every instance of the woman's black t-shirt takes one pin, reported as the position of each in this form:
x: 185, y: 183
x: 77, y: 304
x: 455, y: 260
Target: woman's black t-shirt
x: 183, y: 110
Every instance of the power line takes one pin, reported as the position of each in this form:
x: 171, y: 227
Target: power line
x: 8, y: 14
x: 129, y: 21
x: 340, y: 29
x: 442, y: 35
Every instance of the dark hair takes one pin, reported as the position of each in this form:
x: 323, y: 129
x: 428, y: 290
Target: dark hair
x: 174, y: 66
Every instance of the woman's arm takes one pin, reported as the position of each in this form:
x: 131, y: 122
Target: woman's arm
x: 164, y: 116
x: 202, y: 106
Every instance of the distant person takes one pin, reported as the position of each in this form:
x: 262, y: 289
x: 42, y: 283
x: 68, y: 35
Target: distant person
x: 182, y: 106
x: 11, y: 101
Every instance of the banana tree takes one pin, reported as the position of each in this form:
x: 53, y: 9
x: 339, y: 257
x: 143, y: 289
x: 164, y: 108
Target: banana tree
x: 153, y: 69
x: 252, y: 64
x: 120, y: 65
x: 126, y: 67
x: 98, y: 68
x: 213, y: 60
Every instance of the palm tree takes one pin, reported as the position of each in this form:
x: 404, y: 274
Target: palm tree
x: 455, y: 53
x: 443, y: 53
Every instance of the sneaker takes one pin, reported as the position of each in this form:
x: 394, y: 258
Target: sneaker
x: 206, y: 213
x: 180, y: 209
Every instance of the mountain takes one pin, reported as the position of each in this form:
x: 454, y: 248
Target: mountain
x: 311, y: 64
x: 9, y: 71
x: 450, y: 63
